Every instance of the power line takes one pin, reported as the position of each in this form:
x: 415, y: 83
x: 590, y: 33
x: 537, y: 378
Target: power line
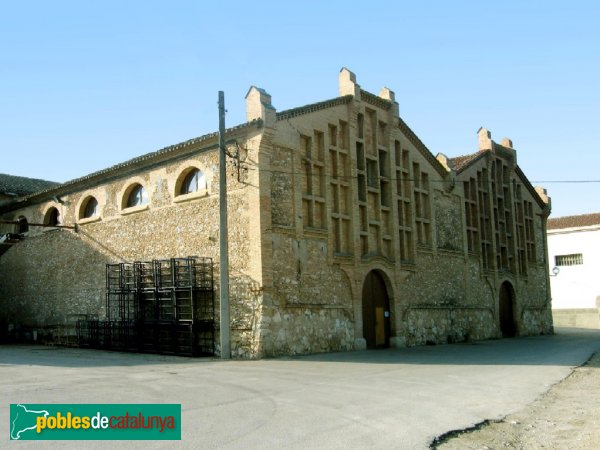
x: 386, y: 178
x: 566, y: 181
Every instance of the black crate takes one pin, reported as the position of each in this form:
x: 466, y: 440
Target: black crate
x: 158, y: 306
x: 145, y: 275
x: 122, y: 305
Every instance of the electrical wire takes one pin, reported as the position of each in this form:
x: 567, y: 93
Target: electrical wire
x: 390, y: 179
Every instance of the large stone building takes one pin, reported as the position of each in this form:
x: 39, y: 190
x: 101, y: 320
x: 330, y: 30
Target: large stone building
x: 574, y: 258
x: 345, y: 232
x: 11, y: 189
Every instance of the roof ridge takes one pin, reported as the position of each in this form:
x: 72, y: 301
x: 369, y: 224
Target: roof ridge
x: 144, y: 157
x: 375, y: 100
x: 575, y: 215
x: 312, y: 107
x: 416, y: 141
x: 461, y: 162
x: 574, y: 221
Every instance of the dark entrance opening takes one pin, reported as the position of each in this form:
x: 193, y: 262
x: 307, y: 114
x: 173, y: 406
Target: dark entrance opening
x: 508, y: 327
x: 376, y: 311
x: 23, y: 226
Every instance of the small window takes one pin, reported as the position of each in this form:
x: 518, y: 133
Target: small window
x: 23, y: 225
x: 52, y: 217
x: 194, y: 181
x: 372, y: 173
x: 568, y: 260
x: 89, y: 208
x: 137, y: 196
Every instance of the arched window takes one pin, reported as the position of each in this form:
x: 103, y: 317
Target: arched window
x: 89, y: 208
x: 52, y: 217
x: 23, y: 225
x: 136, y: 196
x: 193, y: 181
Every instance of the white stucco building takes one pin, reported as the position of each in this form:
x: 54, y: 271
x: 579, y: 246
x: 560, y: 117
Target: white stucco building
x: 574, y: 258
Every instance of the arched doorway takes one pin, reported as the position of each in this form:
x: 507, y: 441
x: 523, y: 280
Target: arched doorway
x: 23, y: 225
x: 376, y: 311
x: 508, y: 327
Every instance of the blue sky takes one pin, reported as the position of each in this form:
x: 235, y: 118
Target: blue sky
x: 84, y: 86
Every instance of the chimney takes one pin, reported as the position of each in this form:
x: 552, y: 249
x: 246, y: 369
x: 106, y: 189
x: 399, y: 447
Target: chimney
x: 347, y: 83
x: 258, y: 106
x: 543, y: 193
x: 388, y: 94
x: 485, y: 139
x: 443, y: 160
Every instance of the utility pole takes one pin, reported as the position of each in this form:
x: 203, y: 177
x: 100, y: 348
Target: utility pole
x: 223, y: 245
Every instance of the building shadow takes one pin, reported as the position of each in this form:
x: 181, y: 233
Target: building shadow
x: 53, y: 356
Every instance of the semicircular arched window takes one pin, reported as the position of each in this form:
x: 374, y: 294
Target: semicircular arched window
x: 193, y: 181
x: 52, y: 217
x: 89, y: 208
x: 137, y: 196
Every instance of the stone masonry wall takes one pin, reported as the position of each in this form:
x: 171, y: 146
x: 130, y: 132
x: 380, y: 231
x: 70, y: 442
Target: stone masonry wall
x: 48, y: 282
x: 536, y: 314
x: 443, y: 294
x: 311, y: 301
x: 440, y: 302
x: 448, y: 219
x: 55, y: 275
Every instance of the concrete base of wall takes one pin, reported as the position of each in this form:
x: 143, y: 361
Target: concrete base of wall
x: 398, y: 342
x: 360, y: 344
x: 577, y: 318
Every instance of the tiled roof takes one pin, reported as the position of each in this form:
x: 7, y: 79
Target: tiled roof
x: 583, y: 220
x: 459, y: 163
x: 148, y: 157
x: 11, y: 184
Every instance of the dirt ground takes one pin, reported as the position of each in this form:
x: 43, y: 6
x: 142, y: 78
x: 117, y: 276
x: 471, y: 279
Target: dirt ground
x: 565, y: 417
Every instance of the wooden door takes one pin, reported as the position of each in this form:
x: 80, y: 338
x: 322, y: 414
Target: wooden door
x: 376, y: 311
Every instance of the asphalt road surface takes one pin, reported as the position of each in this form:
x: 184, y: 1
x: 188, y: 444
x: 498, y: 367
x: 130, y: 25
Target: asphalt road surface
x: 394, y: 398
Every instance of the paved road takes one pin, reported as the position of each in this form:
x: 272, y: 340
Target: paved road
x: 396, y: 398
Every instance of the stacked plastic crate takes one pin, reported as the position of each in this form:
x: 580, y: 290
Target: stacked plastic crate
x: 158, y: 306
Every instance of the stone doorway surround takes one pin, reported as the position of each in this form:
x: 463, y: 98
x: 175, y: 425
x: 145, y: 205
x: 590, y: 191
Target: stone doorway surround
x: 376, y: 311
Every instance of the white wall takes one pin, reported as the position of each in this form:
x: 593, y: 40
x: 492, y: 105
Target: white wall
x: 575, y: 286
